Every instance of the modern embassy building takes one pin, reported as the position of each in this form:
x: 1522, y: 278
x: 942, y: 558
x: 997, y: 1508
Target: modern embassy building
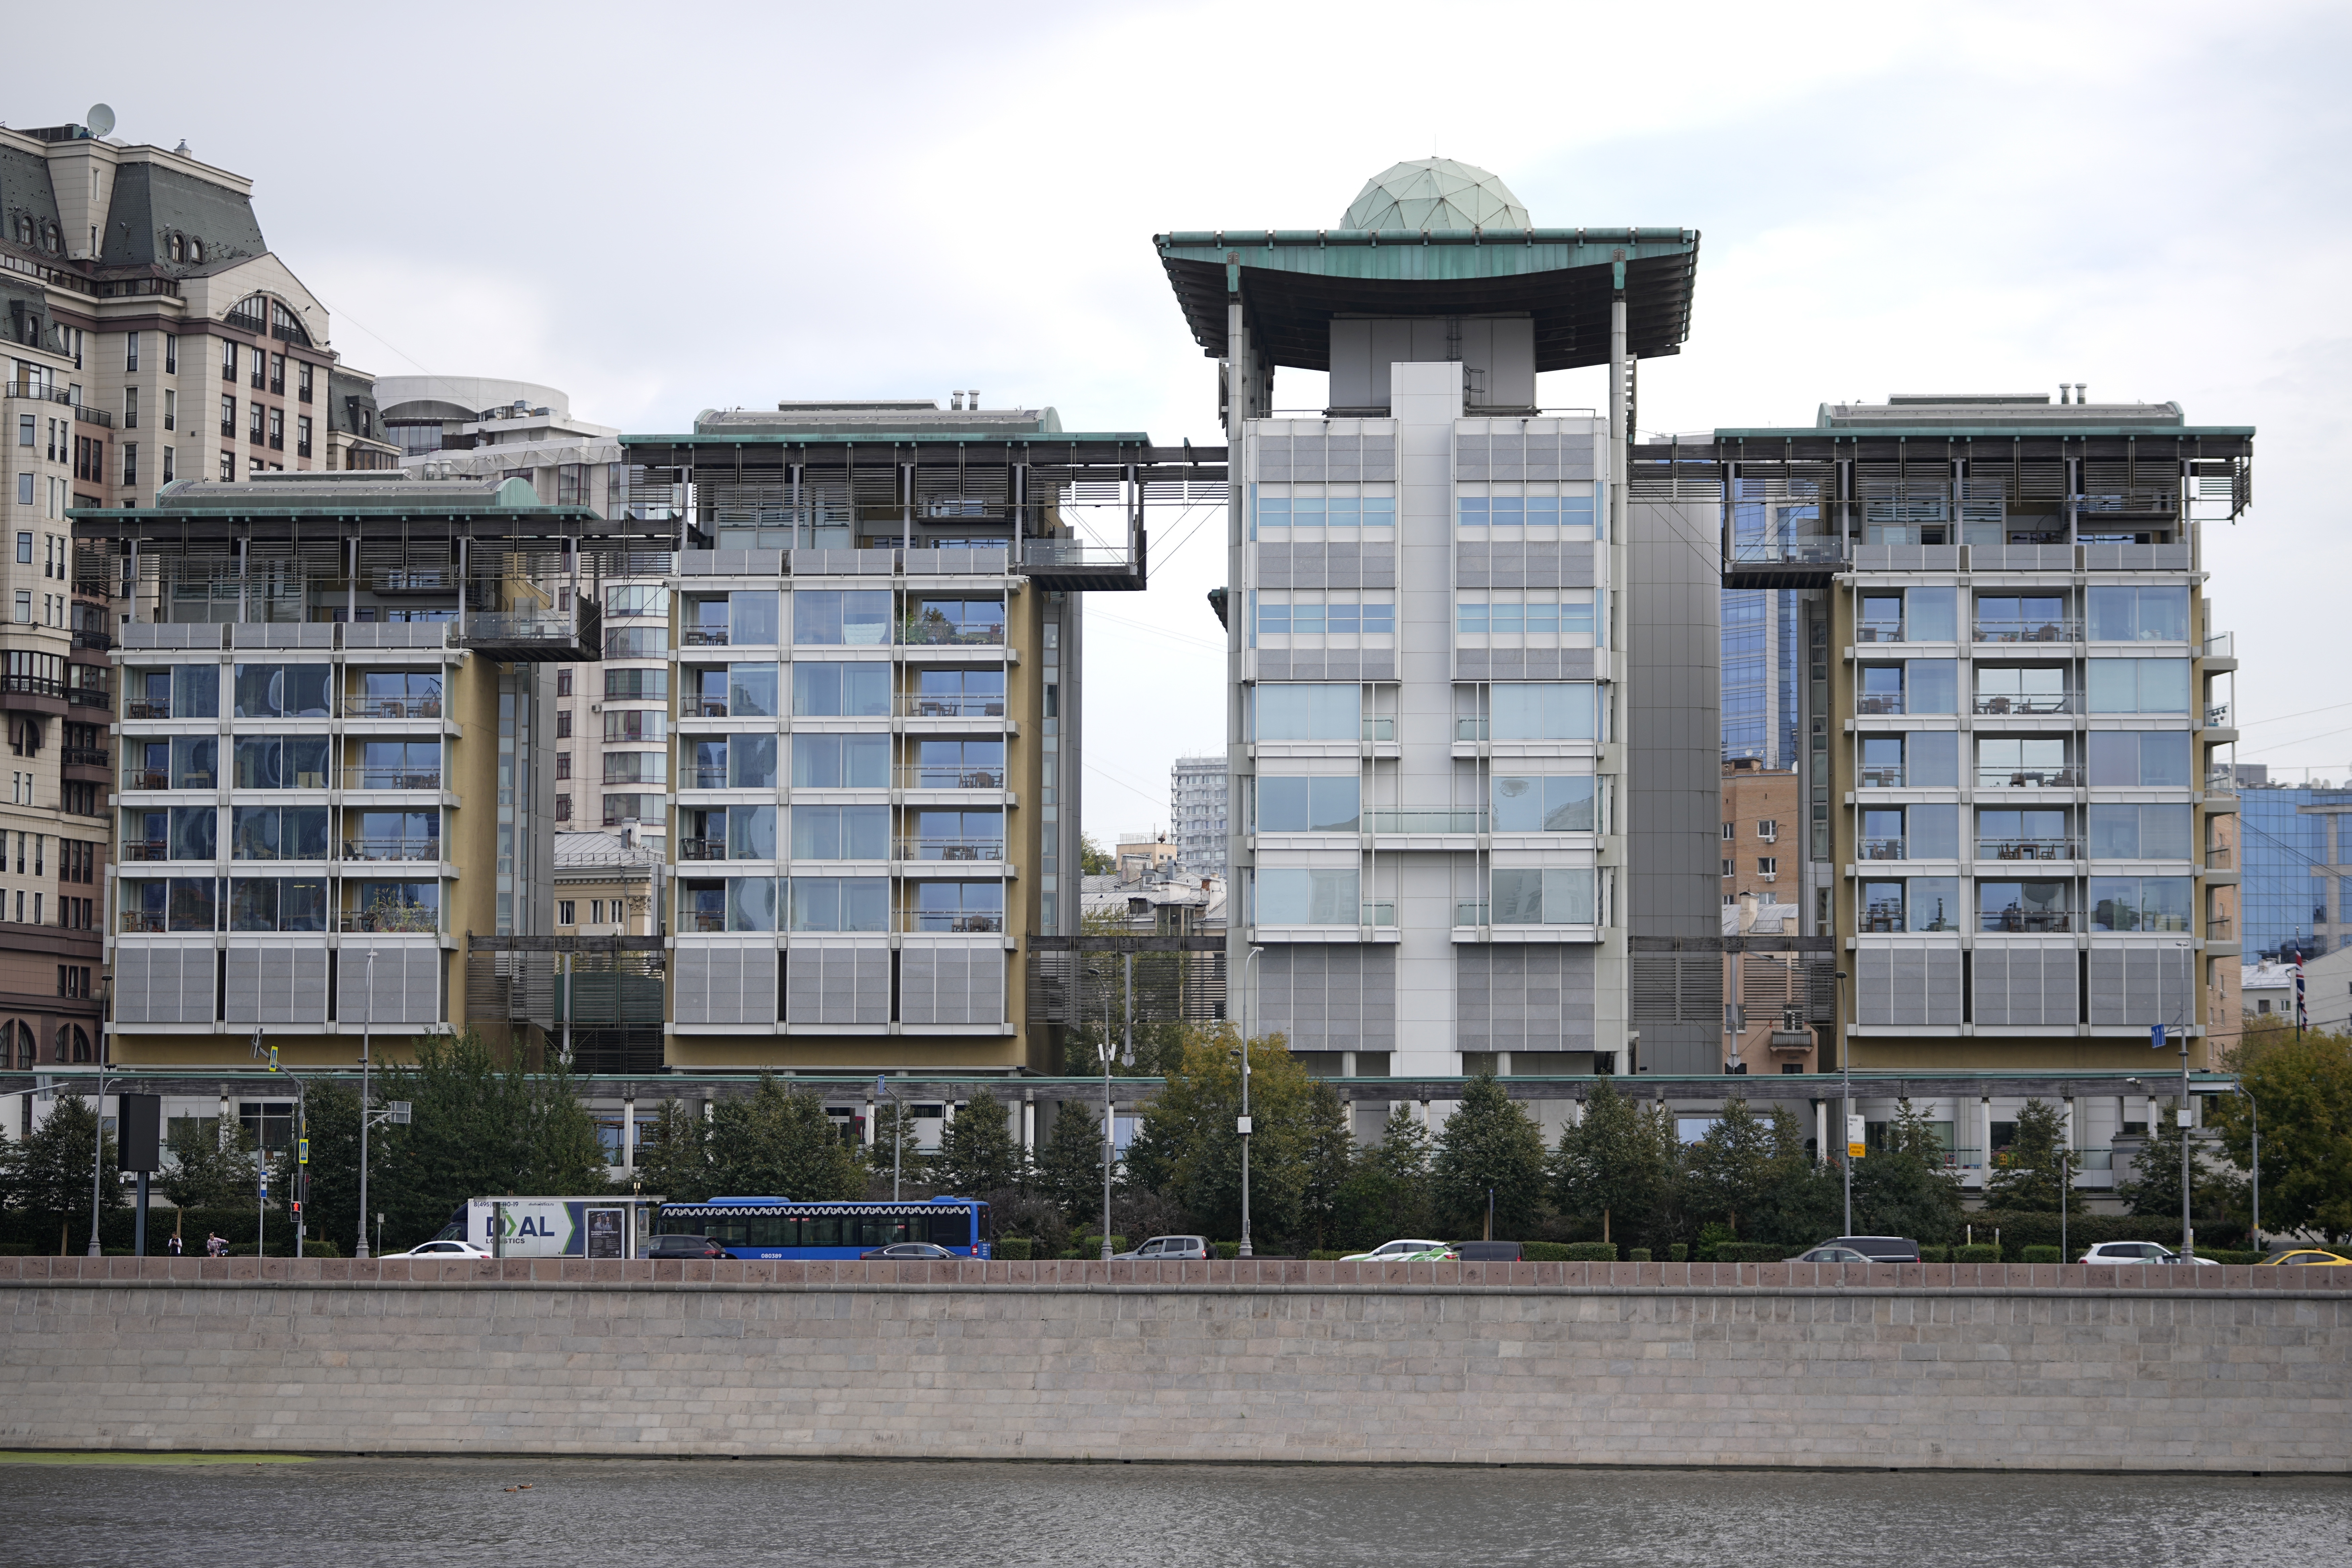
x: 1472, y: 736
x: 2018, y: 806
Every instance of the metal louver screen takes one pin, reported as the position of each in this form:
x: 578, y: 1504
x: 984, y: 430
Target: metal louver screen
x: 406, y: 986
x: 837, y: 985
x: 1329, y: 998
x: 1914, y: 987
x: 275, y: 982
x: 164, y: 985
x: 1533, y: 999
x: 951, y: 986
x: 1676, y: 988
x: 2142, y: 985
x: 1078, y: 988
x: 718, y: 985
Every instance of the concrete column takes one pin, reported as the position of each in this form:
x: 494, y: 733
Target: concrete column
x: 1502, y: 1064
x: 1984, y: 1130
x: 1347, y: 1064
x: 1029, y: 1121
x: 870, y: 1123
x: 629, y: 1132
x: 1821, y: 1130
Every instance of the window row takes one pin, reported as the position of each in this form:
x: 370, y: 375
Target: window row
x: 835, y: 618
x: 2161, y: 904
x: 838, y: 833
x: 835, y: 904
x: 2112, y: 832
x: 1569, y: 613
x: 2104, y: 759
x: 279, y: 832
x: 1333, y: 803
x: 2109, y: 686
x: 1515, y: 896
x: 840, y: 691
x: 1503, y: 711
x: 278, y: 691
x: 2127, y: 613
x: 822, y: 762
x: 1301, y: 512
x: 1305, y: 613
x: 158, y: 904
x: 293, y: 762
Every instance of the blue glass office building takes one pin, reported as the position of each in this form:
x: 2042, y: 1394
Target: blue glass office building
x: 1760, y: 675
x: 2293, y: 849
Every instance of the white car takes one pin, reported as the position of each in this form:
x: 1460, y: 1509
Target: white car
x: 1402, y: 1252
x: 2136, y: 1252
x: 443, y: 1250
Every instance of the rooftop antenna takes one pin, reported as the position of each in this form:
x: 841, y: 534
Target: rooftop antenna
x: 100, y: 121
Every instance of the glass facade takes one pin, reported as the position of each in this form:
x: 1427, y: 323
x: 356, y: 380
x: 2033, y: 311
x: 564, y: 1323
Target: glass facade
x: 2289, y: 868
x: 1760, y: 675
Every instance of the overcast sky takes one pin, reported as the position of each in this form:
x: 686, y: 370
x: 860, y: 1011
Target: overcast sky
x: 661, y: 209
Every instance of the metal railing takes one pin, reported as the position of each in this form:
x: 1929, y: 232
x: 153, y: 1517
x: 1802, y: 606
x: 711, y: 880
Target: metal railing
x: 84, y: 636
x: 2032, y: 631
x: 702, y: 849
x: 2027, y: 704
x: 36, y: 393
x: 391, y: 849
x: 1379, y: 914
x: 364, y: 777
x: 2218, y: 858
x: 941, y: 921
x: 1779, y: 547
x: 1884, y: 850
x: 1470, y: 912
x: 145, y: 849
x: 915, y: 705
x: 398, y: 918
x: 2032, y: 922
x: 161, y: 778
x: 701, y: 708
x: 85, y: 756
x: 2029, y: 849
x: 940, y: 634
x: 141, y: 921
x: 1879, y: 631
x: 1881, y: 778
x: 949, y: 849
x: 704, y: 778
x: 2030, y: 778
x: 2217, y: 717
x: 2221, y: 644
x: 97, y: 416
x: 2222, y: 780
x: 90, y: 696
x: 1426, y: 819
x: 33, y: 685
x: 1878, y: 705
x: 2217, y: 929
x: 392, y: 707
x: 703, y: 637
x: 923, y: 775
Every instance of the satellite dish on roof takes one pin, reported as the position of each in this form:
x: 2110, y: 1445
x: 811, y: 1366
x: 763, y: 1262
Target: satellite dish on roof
x: 99, y: 120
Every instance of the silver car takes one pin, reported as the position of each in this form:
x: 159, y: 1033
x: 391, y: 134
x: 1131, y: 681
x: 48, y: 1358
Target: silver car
x: 1171, y: 1249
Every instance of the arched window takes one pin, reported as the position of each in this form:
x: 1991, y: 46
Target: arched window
x: 53, y: 242
x: 27, y: 1049
x: 179, y: 246
x: 195, y: 249
x: 24, y: 230
x: 81, y: 1045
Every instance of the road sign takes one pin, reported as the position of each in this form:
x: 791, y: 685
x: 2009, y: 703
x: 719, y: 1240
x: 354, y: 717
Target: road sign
x: 302, y: 1148
x: 396, y: 1112
x: 1857, y: 1134
x: 2156, y: 1037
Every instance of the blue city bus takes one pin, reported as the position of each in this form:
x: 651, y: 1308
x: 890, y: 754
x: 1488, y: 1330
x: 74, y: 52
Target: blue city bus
x: 779, y: 1228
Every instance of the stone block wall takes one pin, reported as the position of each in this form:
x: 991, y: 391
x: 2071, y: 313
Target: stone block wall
x: 1935, y: 1366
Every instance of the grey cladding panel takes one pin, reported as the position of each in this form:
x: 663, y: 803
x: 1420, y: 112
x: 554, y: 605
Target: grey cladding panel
x: 406, y: 988
x: 1536, y: 997
x: 281, y: 982
x: 2026, y: 986
x: 2142, y: 985
x: 1329, y: 998
x: 951, y: 986
x: 1908, y: 986
x: 165, y: 984
x: 837, y: 985
x: 724, y: 984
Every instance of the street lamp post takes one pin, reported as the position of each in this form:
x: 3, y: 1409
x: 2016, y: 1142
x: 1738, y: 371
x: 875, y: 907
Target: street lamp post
x: 897, y: 1129
x: 1249, y: 999
x: 97, y: 1161
x: 2254, y: 1109
x: 367, y: 1019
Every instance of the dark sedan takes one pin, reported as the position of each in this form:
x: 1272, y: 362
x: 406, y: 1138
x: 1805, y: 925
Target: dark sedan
x: 685, y: 1247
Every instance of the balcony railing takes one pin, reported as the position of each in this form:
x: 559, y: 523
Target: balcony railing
x: 942, y: 921
x: 392, y: 707
x: 147, y: 708
x: 395, y: 918
x: 85, y: 636
x: 701, y: 708
x: 145, y: 849
x: 32, y: 685
x: 2029, y: 849
x: 2032, y: 922
x: 1427, y: 819
x: 161, y: 778
x: 703, y: 637
x: 1470, y: 913
x: 2029, y: 778
x: 1884, y: 850
x: 1787, y: 547
x: 2221, y: 644
x: 703, y: 778
x: 1878, y: 705
x: 2029, y: 631
x: 90, y: 697
x: 1879, y: 631
x: 391, y: 849
x: 1882, y: 778
x: 35, y: 392
x: 2217, y: 717
x: 2221, y: 780
x: 392, y: 778
x: 919, y: 706
x: 87, y: 756
x: 702, y: 849
x: 950, y: 849
x: 924, y: 776
x: 2029, y: 704
x: 1380, y: 914
x: 142, y: 923
x: 2217, y: 929
x: 2220, y: 858
x: 914, y: 633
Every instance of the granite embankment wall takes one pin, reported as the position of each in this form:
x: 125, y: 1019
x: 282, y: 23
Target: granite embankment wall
x: 1936, y: 1366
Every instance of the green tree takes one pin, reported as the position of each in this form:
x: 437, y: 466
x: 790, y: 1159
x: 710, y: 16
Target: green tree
x: 1189, y: 1150
x: 674, y: 1154
x: 1094, y: 860
x: 1729, y: 1172
x: 483, y: 1128
x: 893, y: 1124
x: 2026, y: 1176
x: 2153, y: 1188
x: 978, y: 1153
x: 333, y: 1210
x: 1070, y: 1167
x: 51, y: 1171
x: 1907, y: 1188
x: 1330, y: 1161
x: 1386, y: 1195
x: 1616, y: 1167
x: 2302, y: 1090
x: 211, y: 1166
x: 1487, y: 1147
x: 778, y: 1142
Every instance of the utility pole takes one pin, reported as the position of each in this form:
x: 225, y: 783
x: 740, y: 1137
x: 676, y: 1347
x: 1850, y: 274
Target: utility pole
x: 367, y: 1101
x: 97, y: 1162
x: 1249, y: 996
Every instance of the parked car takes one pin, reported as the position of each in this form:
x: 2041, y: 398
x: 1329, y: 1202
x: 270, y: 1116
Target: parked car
x: 1488, y: 1251
x: 1831, y: 1252
x: 443, y: 1250
x: 1407, y: 1251
x: 685, y: 1247
x: 907, y: 1252
x: 2136, y: 1252
x: 1879, y: 1249
x: 1171, y: 1249
x: 2305, y: 1258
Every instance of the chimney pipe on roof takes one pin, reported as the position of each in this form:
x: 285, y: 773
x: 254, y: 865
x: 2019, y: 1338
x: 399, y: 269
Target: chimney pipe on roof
x: 2065, y: 392
x: 955, y: 400
x: 2082, y: 392
x: 975, y: 400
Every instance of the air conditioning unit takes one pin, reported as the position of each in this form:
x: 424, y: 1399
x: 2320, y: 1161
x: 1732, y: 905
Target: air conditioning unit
x: 1767, y: 839
x: 1768, y: 876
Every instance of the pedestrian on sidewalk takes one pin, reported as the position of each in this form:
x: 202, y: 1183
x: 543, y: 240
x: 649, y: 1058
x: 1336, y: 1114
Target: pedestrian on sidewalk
x: 214, y: 1247
x: 172, y: 1246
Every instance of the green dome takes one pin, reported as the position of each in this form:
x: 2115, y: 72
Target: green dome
x: 1435, y: 194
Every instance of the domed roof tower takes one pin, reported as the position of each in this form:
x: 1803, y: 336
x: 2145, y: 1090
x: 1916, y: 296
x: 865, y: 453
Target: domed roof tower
x: 1434, y: 194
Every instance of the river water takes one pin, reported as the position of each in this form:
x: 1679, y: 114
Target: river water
x: 585, y: 1513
